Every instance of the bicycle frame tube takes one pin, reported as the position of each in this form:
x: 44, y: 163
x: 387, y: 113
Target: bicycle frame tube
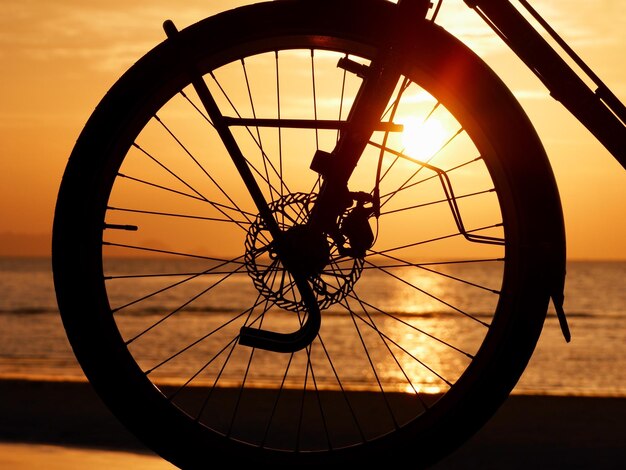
x: 380, y: 79
x: 600, y: 111
x: 273, y: 341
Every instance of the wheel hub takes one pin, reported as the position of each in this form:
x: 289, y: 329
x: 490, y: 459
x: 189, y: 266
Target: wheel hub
x: 303, y: 252
x: 315, y: 257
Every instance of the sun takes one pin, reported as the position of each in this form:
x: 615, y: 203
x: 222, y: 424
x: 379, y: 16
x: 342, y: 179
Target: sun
x: 422, y: 139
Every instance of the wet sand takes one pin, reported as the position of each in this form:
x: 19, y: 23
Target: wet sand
x: 20, y: 456
x: 63, y: 425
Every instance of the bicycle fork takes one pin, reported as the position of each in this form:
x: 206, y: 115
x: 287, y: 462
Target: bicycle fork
x: 380, y: 79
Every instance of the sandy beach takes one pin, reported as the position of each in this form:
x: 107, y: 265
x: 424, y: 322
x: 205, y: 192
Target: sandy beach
x: 63, y: 425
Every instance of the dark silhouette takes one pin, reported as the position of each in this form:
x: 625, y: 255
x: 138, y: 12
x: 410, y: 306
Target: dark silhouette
x: 325, y: 296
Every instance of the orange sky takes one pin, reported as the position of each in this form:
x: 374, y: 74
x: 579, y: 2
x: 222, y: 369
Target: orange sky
x: 59, y: 58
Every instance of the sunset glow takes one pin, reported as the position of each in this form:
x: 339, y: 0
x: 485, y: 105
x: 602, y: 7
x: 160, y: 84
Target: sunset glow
x: 300, y: 232
x: 60, y: 58
x: 422, y: 139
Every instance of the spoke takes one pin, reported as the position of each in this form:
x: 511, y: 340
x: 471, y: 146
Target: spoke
x: 231, y: 344
x: 407, y: 83
x: 437, y: 263
x: 438, y: 201
x: 241, y: 389
x: 344, y: 393
x: 429, y: 178
x: 194, y: 276
x: 156, y: 275
x: 166, y: 252
x: 404, y: 263
x: 431, y: 240
x: 202, y: 197
x: 202, y: 338
x: 224, y: 364
x: 279, y: 128
x: 290, y: 220
x: 343, y: 91
x: 240, y: 121
x: 195, y: 160
x: 154, y: 185
x: 256, y: 142
x: 392, y: 111
x: 432, y: 296
x: 231, y: 347
x: 184, y: 216
x: 176, y: 310
x: 335, y: 272
x: 386, y: 338
x: 317, y: 397
x: 451, y: 199
x: 371, y: 363
x: 407, y: 324
x: 279, y: 393
x: 168, y: 170
x: 257, y: 318
x: 258, y: 132
x: 197, y: 108
x: 394, y: 104
x: 323, y: 414
x: 272, y: 271
x: 421, y: 164
x: 317, y: 139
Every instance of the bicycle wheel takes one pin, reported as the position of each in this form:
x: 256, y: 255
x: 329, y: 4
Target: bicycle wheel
x: 160, y: 256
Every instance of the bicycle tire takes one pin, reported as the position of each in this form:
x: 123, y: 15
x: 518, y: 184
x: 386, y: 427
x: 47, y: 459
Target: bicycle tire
x: 164, y: 415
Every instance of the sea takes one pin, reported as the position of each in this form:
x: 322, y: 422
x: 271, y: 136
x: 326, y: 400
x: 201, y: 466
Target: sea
x: 33, y: 344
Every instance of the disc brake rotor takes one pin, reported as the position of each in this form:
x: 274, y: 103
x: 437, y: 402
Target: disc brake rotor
x: 331, y: 276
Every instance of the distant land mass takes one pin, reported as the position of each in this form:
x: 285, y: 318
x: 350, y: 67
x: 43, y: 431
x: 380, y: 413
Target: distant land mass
x: 39, y: 245
x: 25, y: 244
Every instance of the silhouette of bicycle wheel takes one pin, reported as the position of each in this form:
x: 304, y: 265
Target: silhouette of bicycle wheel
x: 160, y: 256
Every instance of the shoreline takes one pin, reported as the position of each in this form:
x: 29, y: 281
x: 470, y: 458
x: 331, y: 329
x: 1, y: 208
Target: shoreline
x: 529, y: 431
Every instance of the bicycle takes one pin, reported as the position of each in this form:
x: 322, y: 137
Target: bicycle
x: 255, y: 259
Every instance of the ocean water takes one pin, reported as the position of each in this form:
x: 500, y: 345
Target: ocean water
x: 33, y: 342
